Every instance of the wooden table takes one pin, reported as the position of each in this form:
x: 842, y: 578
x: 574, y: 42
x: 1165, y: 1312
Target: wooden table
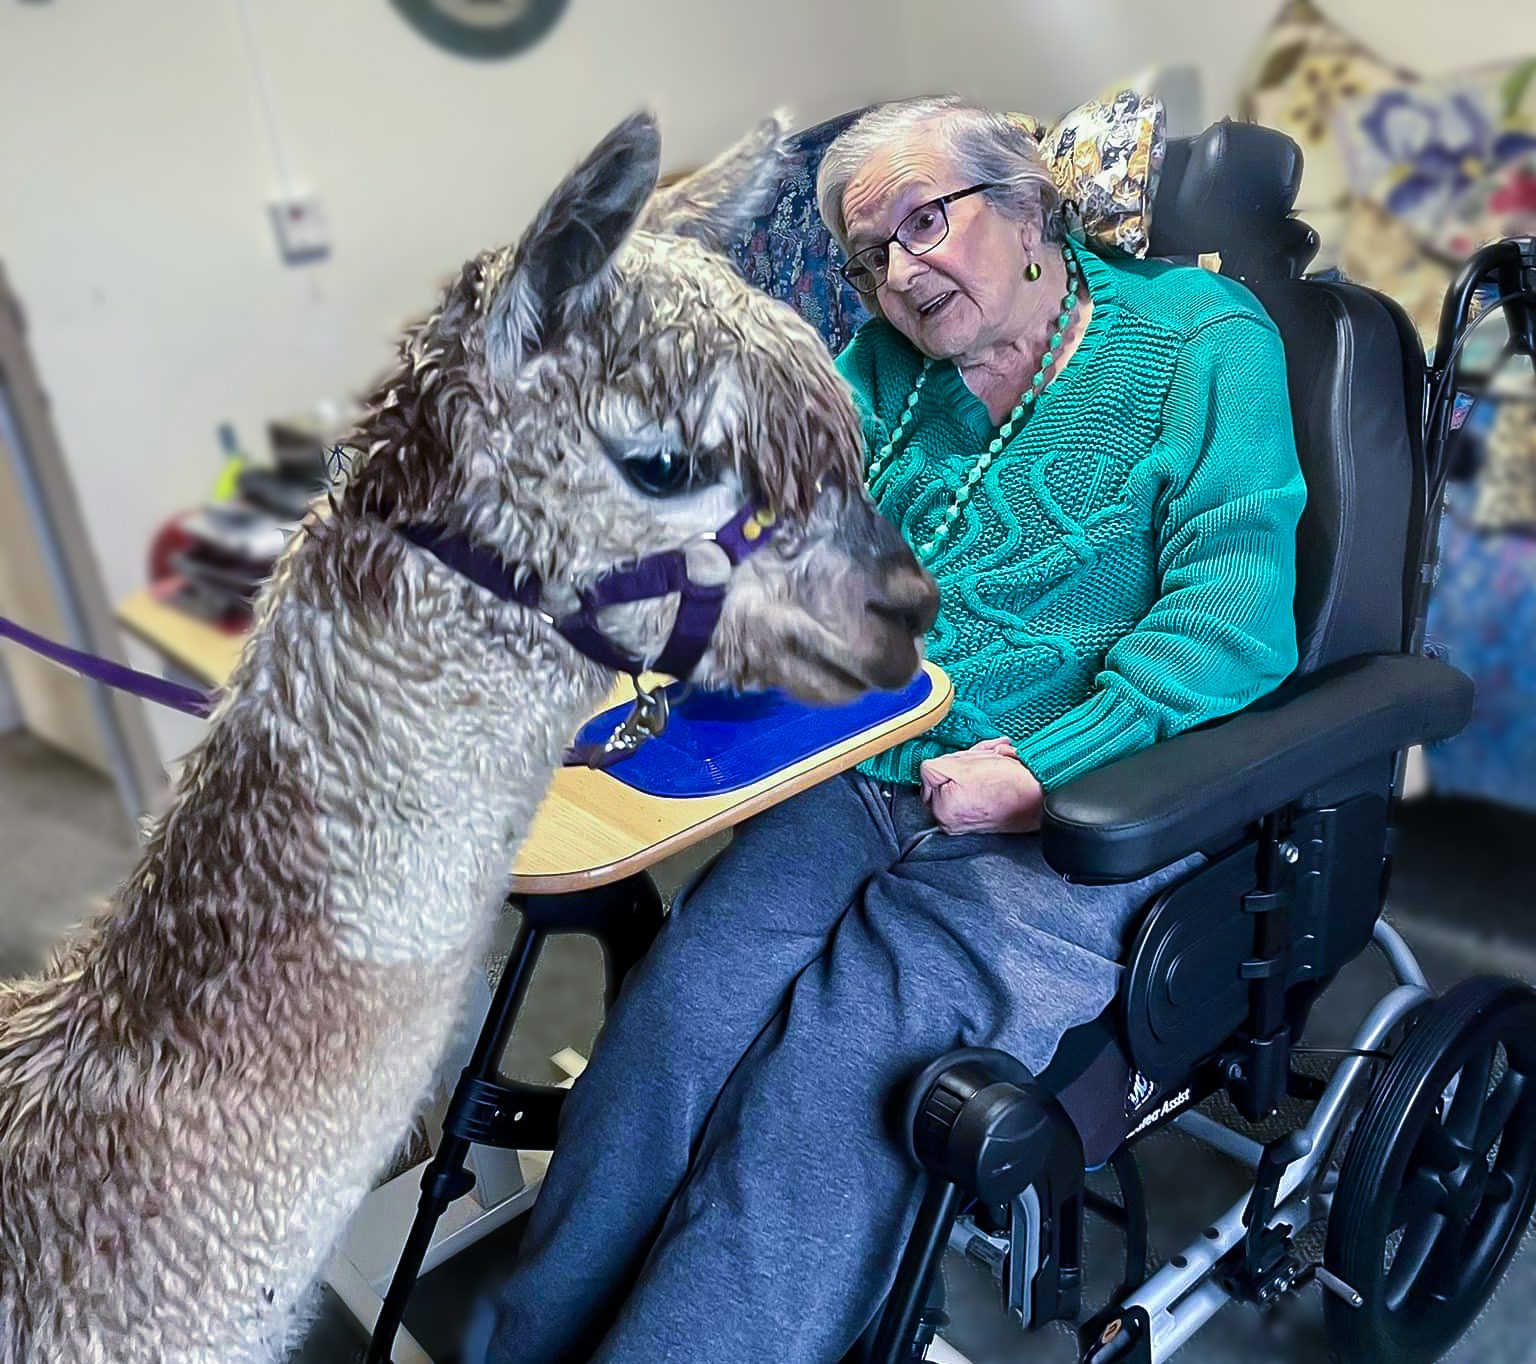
x: 201, y: 651
x: 591, y: 830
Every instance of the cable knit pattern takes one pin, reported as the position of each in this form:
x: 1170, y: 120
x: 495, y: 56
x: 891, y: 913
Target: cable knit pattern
x: 1127, y: 567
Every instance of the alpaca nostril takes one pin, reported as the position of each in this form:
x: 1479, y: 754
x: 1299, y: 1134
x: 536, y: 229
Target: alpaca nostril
x: 907, y: 597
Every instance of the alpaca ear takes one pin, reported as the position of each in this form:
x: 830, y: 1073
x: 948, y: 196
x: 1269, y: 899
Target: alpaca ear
x: 716, y: 205
x: 563, y: 259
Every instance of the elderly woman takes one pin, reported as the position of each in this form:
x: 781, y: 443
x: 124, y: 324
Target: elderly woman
x: 1095, y: 458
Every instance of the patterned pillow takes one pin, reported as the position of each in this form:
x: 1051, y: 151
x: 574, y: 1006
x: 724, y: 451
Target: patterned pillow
x: 1506, y: 487
x: 1378, y: 251
x: 1306, y: 66
x: 1106, y: 157
x: 1501, y: 204
x: 1417, y: 149
x: 789, y: 253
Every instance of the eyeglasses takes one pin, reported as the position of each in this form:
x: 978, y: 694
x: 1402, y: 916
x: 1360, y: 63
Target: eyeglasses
x: 920, y: 231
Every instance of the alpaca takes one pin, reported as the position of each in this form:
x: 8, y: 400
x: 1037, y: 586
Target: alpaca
x: 198, y: 1092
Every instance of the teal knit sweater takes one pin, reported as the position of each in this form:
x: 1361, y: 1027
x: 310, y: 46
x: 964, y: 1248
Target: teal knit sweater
x: 1126, y: 569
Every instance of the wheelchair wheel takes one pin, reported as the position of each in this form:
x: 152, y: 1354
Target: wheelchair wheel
x: 1439, y: 1179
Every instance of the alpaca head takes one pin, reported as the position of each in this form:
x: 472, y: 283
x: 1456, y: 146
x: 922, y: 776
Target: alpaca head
x: 610, y: 388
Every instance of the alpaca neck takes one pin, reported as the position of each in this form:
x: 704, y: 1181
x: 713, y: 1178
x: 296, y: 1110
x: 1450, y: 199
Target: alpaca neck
x: 381, y: 759
x: 422, y: 822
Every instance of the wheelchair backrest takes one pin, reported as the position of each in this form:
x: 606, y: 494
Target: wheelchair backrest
x: 789, y: 253
x: 1354, y: 366
x: 1356, y: 376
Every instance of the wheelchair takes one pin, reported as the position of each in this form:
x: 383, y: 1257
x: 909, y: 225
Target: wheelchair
x: 1418, y: 1154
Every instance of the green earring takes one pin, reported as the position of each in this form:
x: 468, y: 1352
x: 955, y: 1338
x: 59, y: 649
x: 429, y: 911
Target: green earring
x: 1032, y: 271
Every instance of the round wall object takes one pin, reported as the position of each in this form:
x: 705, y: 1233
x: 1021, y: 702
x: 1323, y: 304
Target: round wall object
x: 482, y: 28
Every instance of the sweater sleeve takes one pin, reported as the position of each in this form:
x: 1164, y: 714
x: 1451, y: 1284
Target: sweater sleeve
x: 1222, y: 630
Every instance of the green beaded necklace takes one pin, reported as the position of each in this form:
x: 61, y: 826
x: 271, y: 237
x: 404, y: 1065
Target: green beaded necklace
x: 962, y: 495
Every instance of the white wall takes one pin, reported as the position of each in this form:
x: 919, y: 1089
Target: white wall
x: 134, y: 177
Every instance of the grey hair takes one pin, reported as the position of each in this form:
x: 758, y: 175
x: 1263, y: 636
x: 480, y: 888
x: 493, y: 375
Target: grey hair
x: 985, y: 146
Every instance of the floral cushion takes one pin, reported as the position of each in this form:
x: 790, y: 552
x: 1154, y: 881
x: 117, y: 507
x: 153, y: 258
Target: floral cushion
x: 1501, y: 204
x: 1306, y: 66
x: 789, y: 253
x: 1418, y: 149
x: 1510, y: 89
x: 1483, y: 614
x: 1506, y: 486
x: 1106, y: 157
x: 1378, y: 251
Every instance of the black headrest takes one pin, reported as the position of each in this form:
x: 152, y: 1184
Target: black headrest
x: 1230, y: 190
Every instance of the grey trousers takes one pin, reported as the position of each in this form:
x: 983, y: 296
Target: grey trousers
x: 729, y: 1184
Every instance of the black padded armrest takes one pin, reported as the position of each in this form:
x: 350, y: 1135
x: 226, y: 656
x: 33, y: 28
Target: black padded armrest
x: 1127, y: 819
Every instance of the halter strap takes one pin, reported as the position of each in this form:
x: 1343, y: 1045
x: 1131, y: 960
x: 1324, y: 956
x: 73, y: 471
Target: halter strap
x: 655, y: 575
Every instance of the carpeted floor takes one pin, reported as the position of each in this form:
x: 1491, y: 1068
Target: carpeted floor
x: 1462, y: 895
x: 64, y: 845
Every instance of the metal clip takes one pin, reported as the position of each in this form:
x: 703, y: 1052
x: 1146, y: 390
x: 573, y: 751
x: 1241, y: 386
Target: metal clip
x: 646, y: 720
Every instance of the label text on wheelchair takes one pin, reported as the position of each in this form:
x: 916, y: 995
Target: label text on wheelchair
x: 1162, y: 1111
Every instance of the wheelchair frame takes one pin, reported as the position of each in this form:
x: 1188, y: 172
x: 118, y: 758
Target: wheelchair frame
x: 1151, y: 1321
x: 1248, y: 1253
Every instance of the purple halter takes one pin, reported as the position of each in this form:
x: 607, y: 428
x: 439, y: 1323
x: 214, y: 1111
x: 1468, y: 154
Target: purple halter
x: 656, y: 575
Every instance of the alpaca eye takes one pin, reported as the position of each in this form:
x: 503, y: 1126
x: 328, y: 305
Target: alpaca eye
x: 659, y: 473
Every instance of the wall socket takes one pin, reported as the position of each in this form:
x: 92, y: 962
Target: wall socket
x: 303, y: 235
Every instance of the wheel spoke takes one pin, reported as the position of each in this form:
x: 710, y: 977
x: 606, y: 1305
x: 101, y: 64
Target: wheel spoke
x: 1500, y: 1188
x: 1408, y: 1266
x: 1498, y: 1111
x: 1420, y: 1196
x: 1436, y: 1149
x: 1466, y: 1108
x: 1444, y: 1270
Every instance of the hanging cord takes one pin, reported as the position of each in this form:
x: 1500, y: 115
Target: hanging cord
x: 287, y: 182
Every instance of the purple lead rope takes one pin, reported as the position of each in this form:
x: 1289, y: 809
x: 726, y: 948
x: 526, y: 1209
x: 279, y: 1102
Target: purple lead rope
x: 186, y: 699
x: 653, y: 576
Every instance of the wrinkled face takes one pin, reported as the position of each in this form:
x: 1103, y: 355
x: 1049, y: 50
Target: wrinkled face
x: 612, y: 388
x: 966, y: 294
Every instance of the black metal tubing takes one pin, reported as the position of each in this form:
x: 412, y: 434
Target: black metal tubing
x: 624, y: 918
x: 1256, y: 1074
x: 1133, y: 1199
x: 445, y: 1177
x: 1510, y: 265
x: 1105, y: 1209
x: 919, y: 1263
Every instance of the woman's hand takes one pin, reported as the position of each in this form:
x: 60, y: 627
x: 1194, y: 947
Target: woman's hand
x: 983, y: 790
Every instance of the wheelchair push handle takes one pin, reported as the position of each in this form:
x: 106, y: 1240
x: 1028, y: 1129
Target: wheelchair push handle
x: 1509, y: 265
